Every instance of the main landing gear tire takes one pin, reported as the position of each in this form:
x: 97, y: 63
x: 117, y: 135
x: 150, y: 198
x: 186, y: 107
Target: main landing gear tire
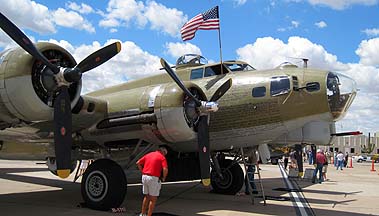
x: 104, y: 185
x: 232, y: 180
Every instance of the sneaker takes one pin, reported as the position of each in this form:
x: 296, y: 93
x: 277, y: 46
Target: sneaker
x: 142, y: 214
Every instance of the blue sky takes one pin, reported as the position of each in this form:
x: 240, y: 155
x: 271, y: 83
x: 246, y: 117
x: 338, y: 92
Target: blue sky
x: 339, y: 35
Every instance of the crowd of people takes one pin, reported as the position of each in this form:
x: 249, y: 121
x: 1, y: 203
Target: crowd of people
x: 322, y: 160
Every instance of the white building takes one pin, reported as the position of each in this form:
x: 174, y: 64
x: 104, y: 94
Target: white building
x: 354, y: 144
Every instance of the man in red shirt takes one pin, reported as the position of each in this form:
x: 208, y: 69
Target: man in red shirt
x: 320, y: 160
x: 151, y: 166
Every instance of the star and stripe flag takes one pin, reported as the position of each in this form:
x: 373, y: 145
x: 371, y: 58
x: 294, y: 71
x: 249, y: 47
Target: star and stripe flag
x: 208, y: 20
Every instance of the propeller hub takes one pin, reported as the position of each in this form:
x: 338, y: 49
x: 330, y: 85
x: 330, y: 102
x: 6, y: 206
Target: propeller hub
x: 208, y: 106
x: 60, y: 78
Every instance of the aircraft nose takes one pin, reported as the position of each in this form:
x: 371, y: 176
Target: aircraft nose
x: 341, y: 91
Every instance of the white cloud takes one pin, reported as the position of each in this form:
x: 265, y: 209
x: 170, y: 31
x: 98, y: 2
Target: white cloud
x: 71, y: 19
x: 28, y: 14
x: 131, y: 63
x: 82, y: 8
x: 371, y: 32
x: 160, y: 18
x: 295, y: 24
x: 342, y: 4
x: 368, y: 52
x: 122, y: 12
x: 168, y: 20
x: 321, y: 24
x: 178, y: 49
x: 269, y: 52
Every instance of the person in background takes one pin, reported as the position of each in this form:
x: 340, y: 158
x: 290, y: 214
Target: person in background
x: 310, y: 157
x: 345, y: 161
x: 151, y: 166
x: 320, y: 160
x: 325, y: 167
x: 340, y: 159
x: 335, y: 158
x: 249, y: 177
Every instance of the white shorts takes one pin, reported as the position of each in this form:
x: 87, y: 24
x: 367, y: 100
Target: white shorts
x: 151, y: 185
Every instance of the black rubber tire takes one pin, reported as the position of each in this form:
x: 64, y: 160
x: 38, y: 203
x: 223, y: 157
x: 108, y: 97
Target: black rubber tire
x: 233, y: 178
x: 104, y: 185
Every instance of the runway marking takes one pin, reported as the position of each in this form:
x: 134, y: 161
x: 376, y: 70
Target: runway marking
x: 299, y: 201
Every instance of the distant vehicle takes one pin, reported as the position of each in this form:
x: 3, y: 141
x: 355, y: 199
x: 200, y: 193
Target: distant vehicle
x: 361, y: 158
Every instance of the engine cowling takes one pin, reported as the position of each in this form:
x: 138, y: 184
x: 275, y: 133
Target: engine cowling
x: 177, y: 114
x: 24, y: 84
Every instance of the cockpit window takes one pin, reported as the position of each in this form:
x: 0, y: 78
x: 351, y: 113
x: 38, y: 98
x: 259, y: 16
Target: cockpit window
x: 196, y: 73
x: 238, y: 67
x: 279, y: 85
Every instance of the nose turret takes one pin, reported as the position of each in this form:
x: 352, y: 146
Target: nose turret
x: 341, y: 91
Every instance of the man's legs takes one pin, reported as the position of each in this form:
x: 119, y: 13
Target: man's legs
x: 145, y: 204
x: 153, y: 200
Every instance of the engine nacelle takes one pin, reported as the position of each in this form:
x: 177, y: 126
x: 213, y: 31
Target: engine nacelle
x: 24, y: 80
x: 176, y: 113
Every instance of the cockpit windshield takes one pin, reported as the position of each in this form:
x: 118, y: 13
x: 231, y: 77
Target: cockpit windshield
x: 341, y: 91
x: 234, y: 67
x: 191, y: 59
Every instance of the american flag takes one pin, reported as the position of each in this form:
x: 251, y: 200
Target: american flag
x: 207, y: 21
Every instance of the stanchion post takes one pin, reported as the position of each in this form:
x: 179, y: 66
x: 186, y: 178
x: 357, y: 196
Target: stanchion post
x: 372, y: 166
x: 351, y: 162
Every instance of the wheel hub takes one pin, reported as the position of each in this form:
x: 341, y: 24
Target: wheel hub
x: 96, y: 186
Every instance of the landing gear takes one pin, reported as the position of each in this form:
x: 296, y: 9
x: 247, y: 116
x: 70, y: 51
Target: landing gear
x: 104, y: 185
x: 232, y: 178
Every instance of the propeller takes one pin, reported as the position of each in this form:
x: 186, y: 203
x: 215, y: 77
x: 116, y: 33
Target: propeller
x: 204, y: 107
x: 63, y: 78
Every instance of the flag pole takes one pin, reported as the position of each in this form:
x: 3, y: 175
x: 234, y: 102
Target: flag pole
x: 219, y: 40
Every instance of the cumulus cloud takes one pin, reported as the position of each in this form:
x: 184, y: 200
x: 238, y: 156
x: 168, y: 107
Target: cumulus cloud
x: 321, y: 24
x: 268, y: 52
x: 28, y: 14
x: 160, y: 18
x: 82, y: 8
x: 371, y: 32
x: 72, y: 19
x: 368, y: 52
x: 131, y: 63
x: 178, y: 49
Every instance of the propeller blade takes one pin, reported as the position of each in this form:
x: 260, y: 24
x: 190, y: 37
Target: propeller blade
x: 99, y: 57
x: 204, y: 151
x: 178, y: 81
x: 21, y: 39
x: 62, y: 132
x: 221, y: 90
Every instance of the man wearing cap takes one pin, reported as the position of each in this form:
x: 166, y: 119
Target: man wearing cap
x: 320, y: 160
x: 151, y: 166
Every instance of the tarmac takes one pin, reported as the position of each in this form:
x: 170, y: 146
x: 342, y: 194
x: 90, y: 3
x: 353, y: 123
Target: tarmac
x: 27, y: 188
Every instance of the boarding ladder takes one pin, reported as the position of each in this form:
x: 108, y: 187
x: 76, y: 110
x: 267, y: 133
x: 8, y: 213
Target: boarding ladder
x: 259, y: 180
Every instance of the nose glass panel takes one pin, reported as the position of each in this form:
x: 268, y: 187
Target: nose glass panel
x: 341, y: 91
